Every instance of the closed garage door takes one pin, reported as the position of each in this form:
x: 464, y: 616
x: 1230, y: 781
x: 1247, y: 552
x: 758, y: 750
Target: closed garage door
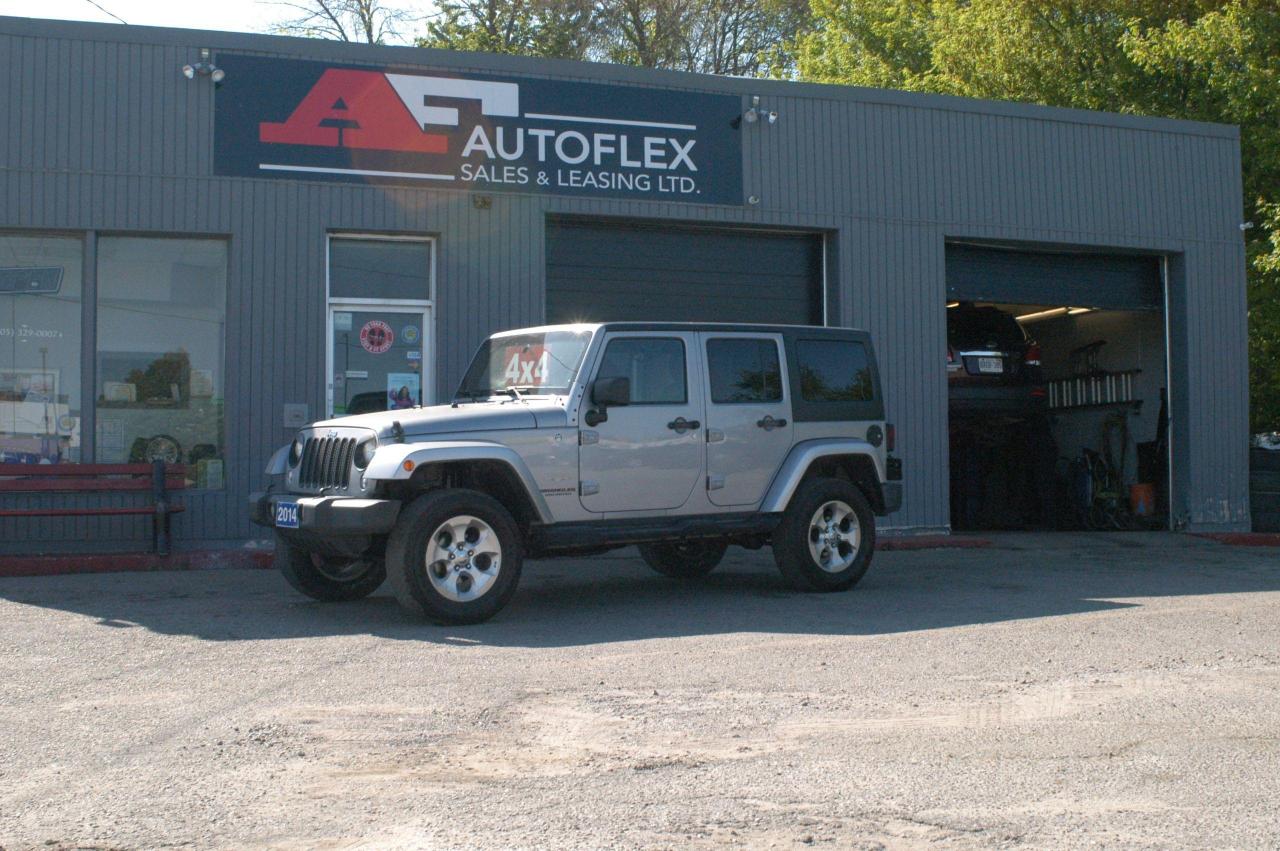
x: 611, y: 272
x: 1105, y: 281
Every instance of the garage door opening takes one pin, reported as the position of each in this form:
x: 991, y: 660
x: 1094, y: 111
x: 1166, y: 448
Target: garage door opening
x: 1057, y: 390
x: 641, y: 271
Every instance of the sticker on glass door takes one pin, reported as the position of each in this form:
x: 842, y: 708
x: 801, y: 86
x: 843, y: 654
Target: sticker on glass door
x: 376, y: 358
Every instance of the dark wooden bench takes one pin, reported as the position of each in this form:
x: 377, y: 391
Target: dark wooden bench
x: 155, y: 479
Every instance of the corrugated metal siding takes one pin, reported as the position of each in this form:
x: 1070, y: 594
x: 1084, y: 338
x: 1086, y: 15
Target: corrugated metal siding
x: 102, y: 131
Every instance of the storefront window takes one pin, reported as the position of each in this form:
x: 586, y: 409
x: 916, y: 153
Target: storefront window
x: 40, y: 314
x: 161, y: 322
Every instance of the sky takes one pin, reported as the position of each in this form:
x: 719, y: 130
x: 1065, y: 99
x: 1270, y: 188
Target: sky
x: 228, y: 15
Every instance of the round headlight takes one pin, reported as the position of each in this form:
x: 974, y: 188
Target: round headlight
x: 364, y: 452
x: 295, y: 452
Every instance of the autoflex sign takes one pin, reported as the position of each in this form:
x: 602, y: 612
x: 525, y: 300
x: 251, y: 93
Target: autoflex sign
x: 297, y: 119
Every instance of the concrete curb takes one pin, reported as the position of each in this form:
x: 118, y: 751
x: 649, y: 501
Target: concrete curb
x: 69, y: 563
x: 932, y: 542
x: 1242, y: 539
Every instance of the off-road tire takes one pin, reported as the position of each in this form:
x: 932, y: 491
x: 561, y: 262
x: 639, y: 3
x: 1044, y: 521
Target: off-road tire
x: 407, y: 565
x: 318, y: 577
x: 791, y: 539
x: 684, y: 559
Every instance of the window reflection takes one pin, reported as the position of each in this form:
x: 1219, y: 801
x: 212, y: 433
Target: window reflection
x: 40, y: 310
x: 161, y: 321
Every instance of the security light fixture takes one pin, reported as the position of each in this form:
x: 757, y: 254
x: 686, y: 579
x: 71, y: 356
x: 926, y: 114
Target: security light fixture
x: 755, y: 114
x: 204, y: 68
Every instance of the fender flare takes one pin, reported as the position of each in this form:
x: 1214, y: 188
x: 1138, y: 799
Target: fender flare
x: 388, y: 463
x: 803, y: 455
x: 278, y: 464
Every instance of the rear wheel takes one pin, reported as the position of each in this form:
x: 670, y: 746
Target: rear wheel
x: 454, y: 556
x: 684, y: 559
x: 333, y: 580
x: 826, y: 537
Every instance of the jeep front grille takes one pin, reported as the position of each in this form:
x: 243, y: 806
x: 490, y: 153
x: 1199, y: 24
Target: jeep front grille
x: 326, y: 462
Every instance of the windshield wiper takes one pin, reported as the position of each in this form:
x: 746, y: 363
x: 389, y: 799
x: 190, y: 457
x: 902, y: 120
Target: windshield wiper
x: 469, y: 396
x: 517, y: 391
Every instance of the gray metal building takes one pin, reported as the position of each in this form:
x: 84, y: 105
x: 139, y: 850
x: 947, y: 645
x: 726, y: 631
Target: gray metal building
x: 223, y: 254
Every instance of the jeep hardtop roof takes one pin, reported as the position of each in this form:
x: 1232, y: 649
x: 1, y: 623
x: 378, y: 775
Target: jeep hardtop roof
x: 731, y: 327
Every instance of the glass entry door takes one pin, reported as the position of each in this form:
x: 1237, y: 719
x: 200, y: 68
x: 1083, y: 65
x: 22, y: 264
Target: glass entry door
x: 378, y: 358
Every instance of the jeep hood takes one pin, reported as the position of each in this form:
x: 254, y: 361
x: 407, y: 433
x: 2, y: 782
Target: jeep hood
x: 446, y: 419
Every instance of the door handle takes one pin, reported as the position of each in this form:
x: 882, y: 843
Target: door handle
x: 769, y: 423
x: 681, y: 425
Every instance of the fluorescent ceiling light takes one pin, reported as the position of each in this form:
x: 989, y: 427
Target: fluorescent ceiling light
x: 1076, y: 311
x: 953, y: 304
x: 1043, y: 314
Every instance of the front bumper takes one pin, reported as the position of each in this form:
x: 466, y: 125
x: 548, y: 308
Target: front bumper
x: 328, y: 515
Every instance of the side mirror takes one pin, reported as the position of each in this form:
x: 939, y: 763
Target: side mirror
x: 607, y: 392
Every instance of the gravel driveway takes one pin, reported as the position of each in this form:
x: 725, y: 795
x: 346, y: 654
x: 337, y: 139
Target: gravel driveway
x: 1053, y: 691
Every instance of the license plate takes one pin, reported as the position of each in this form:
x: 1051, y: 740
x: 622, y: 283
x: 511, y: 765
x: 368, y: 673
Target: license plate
x: 990, y: 364
x: 287, y: 515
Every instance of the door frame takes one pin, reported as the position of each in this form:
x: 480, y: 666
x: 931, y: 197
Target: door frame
x: 425, y: 307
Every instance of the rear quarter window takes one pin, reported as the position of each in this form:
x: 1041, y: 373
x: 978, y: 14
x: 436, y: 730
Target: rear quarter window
x: 833, y: 378
x: 834, y: 371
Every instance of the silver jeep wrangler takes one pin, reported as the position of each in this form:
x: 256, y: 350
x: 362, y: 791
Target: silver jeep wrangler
x: 577, y: 439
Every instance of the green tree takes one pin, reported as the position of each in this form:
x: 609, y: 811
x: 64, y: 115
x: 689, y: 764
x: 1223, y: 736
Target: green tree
x: 559, y: 29
x: 369, y: 21
x: 740, y: 37
x: 1209, y: 60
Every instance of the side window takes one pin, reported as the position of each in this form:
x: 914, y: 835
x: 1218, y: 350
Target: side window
x: 655, y: 366
x: 744, y: 371
x: 834, y: 371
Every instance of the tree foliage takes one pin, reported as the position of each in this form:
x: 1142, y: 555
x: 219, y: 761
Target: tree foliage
x: 1209, y: 60
x: 550, y: 28
x: 368, y: 21
x: 740, y: 37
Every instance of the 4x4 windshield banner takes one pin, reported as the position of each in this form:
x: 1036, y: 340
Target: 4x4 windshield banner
x: 301, y: 119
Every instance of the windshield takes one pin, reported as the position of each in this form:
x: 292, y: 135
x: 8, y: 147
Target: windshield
x: 544, y: 363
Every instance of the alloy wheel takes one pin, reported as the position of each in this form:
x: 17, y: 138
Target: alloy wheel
x: 834, y: 536
x: 463, y: 558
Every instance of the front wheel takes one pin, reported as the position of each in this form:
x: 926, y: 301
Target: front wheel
x: 826, y: 537
x: 684, y: 559
x: 332, y: 580
x: 454, y: 556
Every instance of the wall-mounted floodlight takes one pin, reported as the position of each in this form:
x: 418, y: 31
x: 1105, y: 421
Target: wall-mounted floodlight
x: 204, y: 68
x: 755, y: 114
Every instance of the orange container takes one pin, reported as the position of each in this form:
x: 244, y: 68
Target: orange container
x: 1142, y: 500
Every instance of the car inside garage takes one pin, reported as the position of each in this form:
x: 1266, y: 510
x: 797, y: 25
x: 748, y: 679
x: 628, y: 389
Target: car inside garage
x: 1057, y: 365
